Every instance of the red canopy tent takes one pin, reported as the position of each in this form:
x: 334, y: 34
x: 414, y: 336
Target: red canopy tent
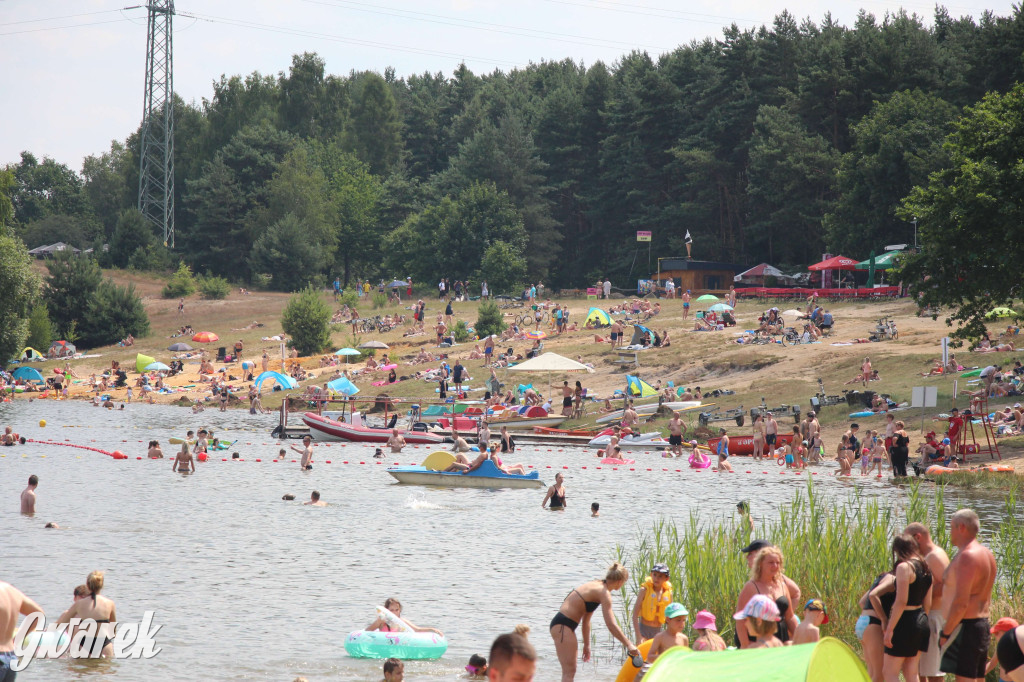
x: 835, y: 263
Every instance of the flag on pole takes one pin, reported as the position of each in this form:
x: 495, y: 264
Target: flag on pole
x: 689, y: 243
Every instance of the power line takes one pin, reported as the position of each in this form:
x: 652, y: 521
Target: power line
x: 65, y: 16
x: 480, y: 25
x: 657, y: 12
x: 58, y: 28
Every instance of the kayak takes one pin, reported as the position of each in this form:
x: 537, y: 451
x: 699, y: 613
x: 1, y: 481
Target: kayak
x: 547, y: 430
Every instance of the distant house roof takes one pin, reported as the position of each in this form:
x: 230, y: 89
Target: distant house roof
x: 684, y: 264
x: 52, y: 248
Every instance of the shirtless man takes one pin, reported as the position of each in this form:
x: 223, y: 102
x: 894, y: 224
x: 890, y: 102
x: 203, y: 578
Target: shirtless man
x: 686, y: 304
x: 614, y: 332
x: 675, y: 434
x: 314, y: 500
x: 865, y: 372
x: 759, y: 431
x: 12, y: 603
x: 183, y: 461
x: 306, y: 463
x: 629, y: 416
x: 459, y: 443
x: 28, y: 497
x: 566, y: 399
x: 771, y: 434
x: 488, y: 349
x: 966, y: 598
x: 440, y: 329
x: 937, y: 560
x: 813, y: 436
x: 396, y: 442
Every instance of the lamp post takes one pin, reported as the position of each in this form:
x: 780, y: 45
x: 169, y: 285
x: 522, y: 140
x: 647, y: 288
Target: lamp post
x: 914, y: 221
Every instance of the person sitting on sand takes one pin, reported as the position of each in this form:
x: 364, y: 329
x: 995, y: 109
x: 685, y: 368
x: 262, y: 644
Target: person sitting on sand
x: 476, y: 353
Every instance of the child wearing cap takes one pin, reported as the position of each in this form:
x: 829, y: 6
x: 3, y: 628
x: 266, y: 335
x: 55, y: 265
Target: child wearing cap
x: 815, y: 616
x: 675, y: 620
x: 761, y: 618
x: 707, y: 633
x: 649, y: 609
x: 1002, y: 625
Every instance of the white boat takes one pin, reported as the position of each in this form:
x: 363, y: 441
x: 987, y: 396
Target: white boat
x: 526, y: 423
x: 354, y: 431
x: 651, y: 408
x: 643, y: 441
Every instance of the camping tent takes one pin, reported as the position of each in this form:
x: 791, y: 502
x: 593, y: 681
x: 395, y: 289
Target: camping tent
x: 638, y: 388
x: 30, y: 353
x: 283, y: 379
x: 28, y: 374
x: 343, y: 386
x: 759, y: 272
x: 638, y: 335
x: 598, y: 318
x: 827, y: 661
x: 62, y: 349
x: 142, y: 362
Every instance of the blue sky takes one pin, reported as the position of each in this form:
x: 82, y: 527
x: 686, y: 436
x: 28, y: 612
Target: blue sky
x: 72, y: 70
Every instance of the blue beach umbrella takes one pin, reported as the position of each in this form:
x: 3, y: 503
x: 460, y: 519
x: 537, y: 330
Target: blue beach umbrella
x: 157, y: 366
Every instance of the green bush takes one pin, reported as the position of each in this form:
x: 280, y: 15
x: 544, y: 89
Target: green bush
x: 460, y: 332
x: 349, y: 297
x: 380, y: 301
x: 151, y: 258
x: 307, y: 320
x: 40, y: 329
x: 489, y: 319
x: 212, y: 287
x: 113, y: 313
x: 181, y: 284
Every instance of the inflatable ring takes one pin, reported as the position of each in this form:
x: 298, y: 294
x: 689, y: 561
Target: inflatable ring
x: 401, y: 645
x: 627, y: 673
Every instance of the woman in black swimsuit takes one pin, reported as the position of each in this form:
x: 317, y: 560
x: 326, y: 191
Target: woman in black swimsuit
x: 578, y: 607
x: 99, y: 609
x: 556, y: 493
x: 766, y: 577
x: 900, y: 450
x: 1010, y: 652
x: 906, y: 632
x: 876, y: 605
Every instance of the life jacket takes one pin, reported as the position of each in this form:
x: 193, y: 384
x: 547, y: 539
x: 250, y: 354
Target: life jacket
x: 652, y: 609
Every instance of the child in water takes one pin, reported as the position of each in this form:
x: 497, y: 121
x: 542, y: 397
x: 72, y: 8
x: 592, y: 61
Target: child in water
x: 385, y: 623
x: 477, y: 667
x: 394, y: 670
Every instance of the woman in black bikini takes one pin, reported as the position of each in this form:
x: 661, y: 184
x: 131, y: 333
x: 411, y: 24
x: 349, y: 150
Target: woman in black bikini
x: 766, y: 577
x: 99, y: 609
x: 578, y: 607
x: 906, y: 632
x: 876, y: 605
x: 1010, y: 652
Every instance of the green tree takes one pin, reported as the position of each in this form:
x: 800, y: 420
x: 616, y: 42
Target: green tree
x: 40, y: 329
x: 287, y: 256
x: 19, y: 288
x: 106, y: 185
x: 503, y: 266
x: 307, y: 320
x: 71, y: 282
x: 7, y: 185
x: 970, y: 215
x: 489, y: 320
x: 132, y: 233
x: 895, y: 147
x: 56, y: 227
x: 113, y: 312
x: 374, y: 130
x: 182, y: 283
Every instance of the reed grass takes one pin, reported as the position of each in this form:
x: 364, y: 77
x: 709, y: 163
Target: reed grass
x: 833, y: 549
x: 983, y: 480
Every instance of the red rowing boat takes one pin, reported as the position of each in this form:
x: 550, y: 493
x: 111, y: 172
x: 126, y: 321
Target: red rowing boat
x: 324, y: 429
x: 744, y: 445
x: 547, y: 430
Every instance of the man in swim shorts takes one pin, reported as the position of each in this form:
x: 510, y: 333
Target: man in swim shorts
x: 771, y: 433
x: 966, y: 600
x: 396, y: 442
x: 12, y: 604
x: 936, y: 559
x: 686, y: 304
x: 675, y: 434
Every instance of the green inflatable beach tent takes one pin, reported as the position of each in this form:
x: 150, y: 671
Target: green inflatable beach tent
x: 827, y: 661
x: 638, y: 388
x: 143, y: 361
x: 598, y: 318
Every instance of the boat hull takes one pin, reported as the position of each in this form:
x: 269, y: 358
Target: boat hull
x: 744, y: 445
x: 526, y: 423
x: 324, y: 429
x: 417, y: 475
x: 651, y: 408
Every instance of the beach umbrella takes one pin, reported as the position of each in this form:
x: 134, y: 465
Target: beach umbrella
x: 871, y: 270
x: 178, y: 347
x: 347, y: 352
x: 707, y: 297
x: 375, y: 344
x: 1001, y: 311
x: 157, y: 367
x: 721, y: 308
x: 205, y: 337
x: 398, y: 284
x: 550, y: 362
x: 536, y: 335
x: 887, y: 261
x: 834, y: 263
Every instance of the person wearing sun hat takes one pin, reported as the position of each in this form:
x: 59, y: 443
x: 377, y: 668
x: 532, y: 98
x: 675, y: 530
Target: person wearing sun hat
x: 675, y: 618
x: 1002, y: 625
x: 760, y: 617
x: 815, y: 616
x: 649, y: 609
x: 707, y: 630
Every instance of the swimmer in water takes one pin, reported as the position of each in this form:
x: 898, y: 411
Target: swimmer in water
x: 306, y: 463
x: 396, y: 442
x: 154, y: 451
x: 394, y: 670
x: 28, y: 496
x: 395, y: 607
x: 98, y: 608
x: 314, y: 500
x: 183, y: 460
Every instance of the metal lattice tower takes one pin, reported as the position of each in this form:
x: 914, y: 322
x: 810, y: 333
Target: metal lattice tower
x: 156, y: 154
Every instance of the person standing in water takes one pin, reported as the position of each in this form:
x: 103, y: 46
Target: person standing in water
x: 578, y: 608
x: 183, y: 460
x: 28, y: 496
x: 100, y: 609
x: 556, y: 493
x: 306, y: 462
x: 649, y: 609
x: 12, y: 604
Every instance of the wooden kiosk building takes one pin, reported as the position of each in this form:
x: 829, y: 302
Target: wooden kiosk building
x: 695, y: 275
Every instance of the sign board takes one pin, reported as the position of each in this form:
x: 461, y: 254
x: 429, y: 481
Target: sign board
x: 593, y: 292
x: 643, y: 235
x: 924, y: 396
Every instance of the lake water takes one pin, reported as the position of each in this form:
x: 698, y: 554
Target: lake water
x: 248, y: 586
